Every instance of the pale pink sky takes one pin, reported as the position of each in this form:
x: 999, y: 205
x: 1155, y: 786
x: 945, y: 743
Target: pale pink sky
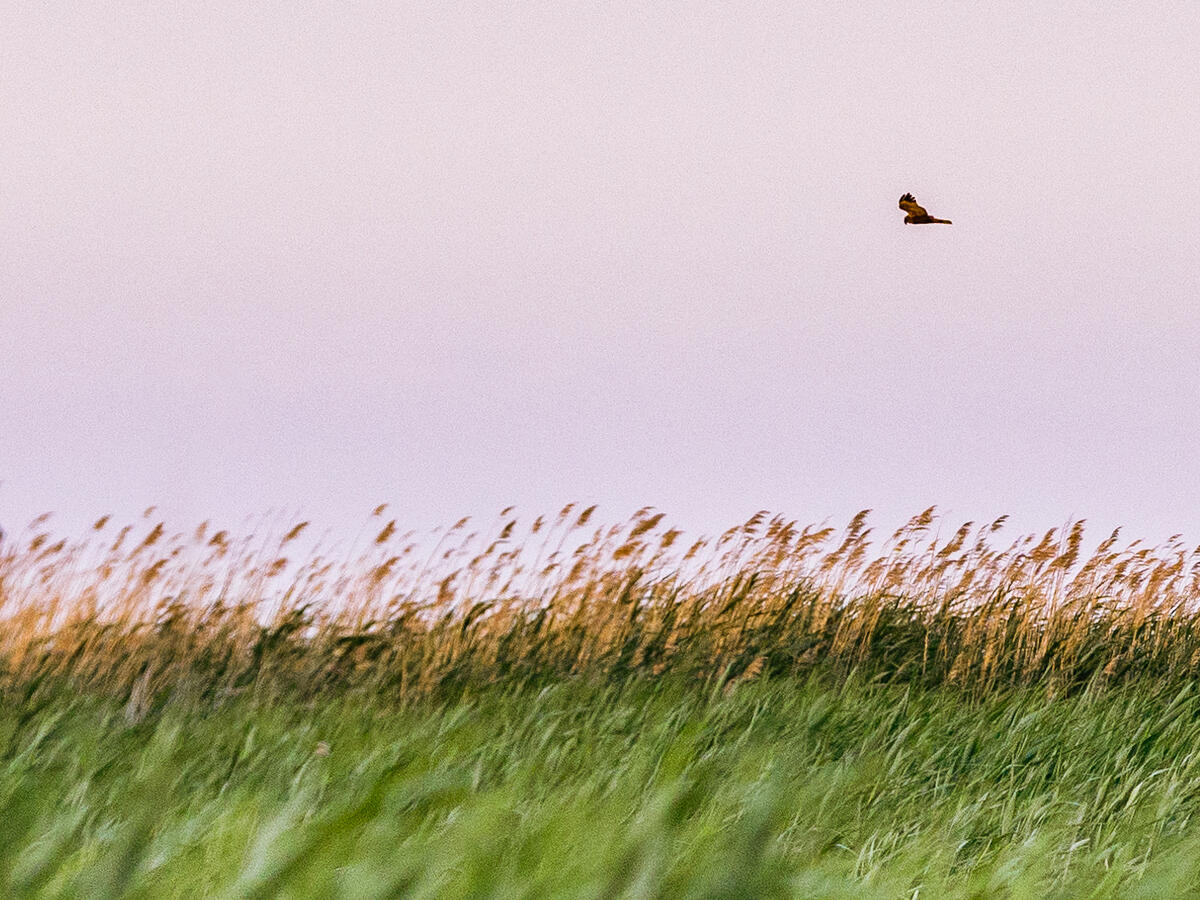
x: 319, y: 256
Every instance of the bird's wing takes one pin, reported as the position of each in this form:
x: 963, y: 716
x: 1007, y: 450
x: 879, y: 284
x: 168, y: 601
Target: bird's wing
x: 909, y: 204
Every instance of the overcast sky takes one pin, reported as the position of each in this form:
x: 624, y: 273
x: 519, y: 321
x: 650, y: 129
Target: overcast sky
x: 320, y: 256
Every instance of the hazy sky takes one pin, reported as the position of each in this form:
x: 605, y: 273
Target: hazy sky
x: 319, y: 256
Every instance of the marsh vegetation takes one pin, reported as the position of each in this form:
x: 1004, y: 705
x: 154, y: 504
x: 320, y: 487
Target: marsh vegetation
x: 556, y: 708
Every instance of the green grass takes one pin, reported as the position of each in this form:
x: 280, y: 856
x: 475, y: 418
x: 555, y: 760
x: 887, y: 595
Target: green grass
x: 778, y: 788
x: 597, y: 712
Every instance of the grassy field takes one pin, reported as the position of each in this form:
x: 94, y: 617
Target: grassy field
x: 775, y: 789
x: 571, y: 711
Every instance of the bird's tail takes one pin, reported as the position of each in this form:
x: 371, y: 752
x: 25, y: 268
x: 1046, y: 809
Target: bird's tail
x: 933, y: 221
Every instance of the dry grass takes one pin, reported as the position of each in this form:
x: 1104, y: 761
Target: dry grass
x: 145, y: 614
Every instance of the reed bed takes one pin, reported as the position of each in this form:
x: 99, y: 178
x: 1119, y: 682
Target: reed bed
x: 146, y: 614
x: 558, y: 708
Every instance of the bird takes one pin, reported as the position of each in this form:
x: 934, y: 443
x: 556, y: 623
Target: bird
x: 916, y: 213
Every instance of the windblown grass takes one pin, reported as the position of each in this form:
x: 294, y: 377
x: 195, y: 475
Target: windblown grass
x: 777, y: 789
x: 566, y: 710
x: 145, y: 615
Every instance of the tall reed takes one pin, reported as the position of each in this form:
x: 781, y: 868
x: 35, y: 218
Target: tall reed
x: 148, y: 614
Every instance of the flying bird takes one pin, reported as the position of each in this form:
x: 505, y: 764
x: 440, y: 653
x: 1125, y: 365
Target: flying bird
x: 916, y: 213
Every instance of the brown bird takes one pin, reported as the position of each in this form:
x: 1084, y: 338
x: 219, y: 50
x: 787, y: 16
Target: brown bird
x: 916, y: 213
